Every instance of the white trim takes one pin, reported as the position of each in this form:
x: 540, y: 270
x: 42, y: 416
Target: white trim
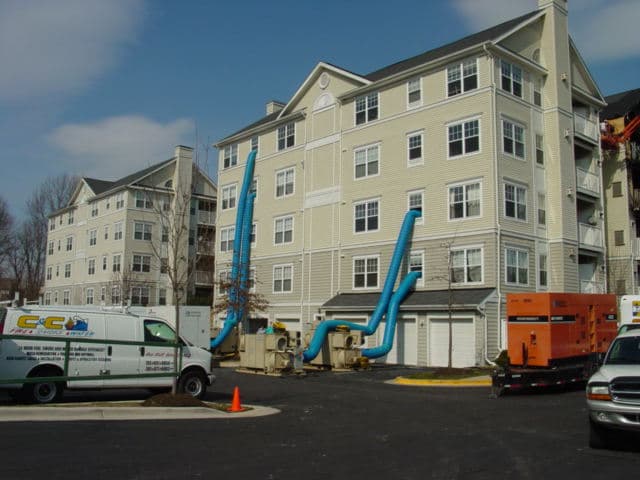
x: 355, y: 108
x: 504, y: 119
x: 463, y: 184
x: 366, y: 148
x: 466, y: 248
x: 462, y: 122
x: 273, y: 278
x: 419, y: 103
x: 283, y: 218
x: 235, y: 197
x: 516, y: 185
x: 366, y: 201
x: 518, y: 249
x: 321, y: 142
x: 284, y: 171
x: 419, y: 220
x: 353, y: 271
x: 420, y: 282
x: 416, y: 161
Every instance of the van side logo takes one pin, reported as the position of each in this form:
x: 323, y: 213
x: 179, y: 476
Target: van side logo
x: 55, y: 324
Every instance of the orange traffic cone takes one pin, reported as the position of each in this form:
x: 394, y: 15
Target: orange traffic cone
x: 235, y: 402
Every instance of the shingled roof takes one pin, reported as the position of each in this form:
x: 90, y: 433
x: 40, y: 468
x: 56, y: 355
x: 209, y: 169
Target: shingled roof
x: 620, y: 104
x: 101, y: 186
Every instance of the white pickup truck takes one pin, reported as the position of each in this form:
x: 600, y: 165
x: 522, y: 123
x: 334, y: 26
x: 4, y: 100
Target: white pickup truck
x: 613, y: 392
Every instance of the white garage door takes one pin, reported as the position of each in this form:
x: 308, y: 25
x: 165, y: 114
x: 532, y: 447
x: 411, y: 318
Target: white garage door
x: 464, y: 342
x: 405, y: 343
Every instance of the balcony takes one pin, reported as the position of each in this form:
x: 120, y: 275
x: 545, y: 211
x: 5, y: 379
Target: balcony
x: 590, y: 235
x: 206, y: 247
x: 589, y: 286
x: 586, y: 127
x: 206, y: 217
x: 588, y: 181
x: 204, y: 278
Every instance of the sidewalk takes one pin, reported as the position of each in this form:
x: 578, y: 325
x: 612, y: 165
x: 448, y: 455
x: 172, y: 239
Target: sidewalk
x: 481, y: 381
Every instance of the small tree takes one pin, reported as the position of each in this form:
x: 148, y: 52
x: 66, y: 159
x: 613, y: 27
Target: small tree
x: 247, y: 299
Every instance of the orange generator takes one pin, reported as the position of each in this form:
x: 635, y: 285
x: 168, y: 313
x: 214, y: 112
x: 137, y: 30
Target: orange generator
x: 555, y: 338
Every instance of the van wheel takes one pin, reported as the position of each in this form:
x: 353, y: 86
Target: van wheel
x: 598, y: 436
x: 193, y: 383
x: 45, y: 391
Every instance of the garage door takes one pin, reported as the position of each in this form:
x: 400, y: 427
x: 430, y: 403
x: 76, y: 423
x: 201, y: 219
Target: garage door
x: 405, y: 343
x: 464, y: 342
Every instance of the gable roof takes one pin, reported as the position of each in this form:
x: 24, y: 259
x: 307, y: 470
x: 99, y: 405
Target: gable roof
x: 619, y: 104
x: 98, y: 186
x: 469, y: 41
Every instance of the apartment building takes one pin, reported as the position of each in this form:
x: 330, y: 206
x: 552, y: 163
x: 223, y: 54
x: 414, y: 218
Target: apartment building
x: 116, y: 242
x: 493, y: 137
x: 621, y: 175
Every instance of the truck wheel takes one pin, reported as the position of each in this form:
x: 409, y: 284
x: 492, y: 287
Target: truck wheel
x: 598, y: 435
x: 45, y: 391
x: 193, y: 383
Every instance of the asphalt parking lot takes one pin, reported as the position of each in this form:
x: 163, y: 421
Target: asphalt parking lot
x: 331, y: 425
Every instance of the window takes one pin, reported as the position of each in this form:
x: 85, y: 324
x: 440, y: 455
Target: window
x: 141, y: 263
x: 47, y: 298
x: 117, y: 231
x: 365, y: 272
x: 57, y: 270
x: 91, y: 269
x: 415, y: 201
x: 49, y: 273
x: 224, y: 283
x: 55, y: 298
x: 464, y: 201
x: 539, y: 149
x: 162, y: 296
x: 226, y: 239
x: 103, y: 294
x: 366, y: 216
x: 283, y: 230
x: 164, y: 265
x: 542, y: 210
x: 50, y: 249
x: 115, y: 295
x: 542, y: 270
x: 513, y: 139
x: 116, y: 262
x: 106, y: 232
x: 140, y: 296
x: 165, y: 234
x: 89, y: 296
x: 93, y: 237
x: 464, y: 138
x: 285, y: 180
x: 119, y: 201
x: 94, y: 210
x: 66, y: 297
x: 366, y: 108
x: 52, y: 224
x: 286, y: 136
x: 142, y: 231
x: 143, y: 200
x: 616, y: 188
x: 414, y: 149
x: 416, y: 264
x: 366, y: 161
x: 511, y: 78
x: 466, y: 265
x: 537, y: 92
x: 228, y: 197
x: 254, y: 229
x: 254, y: 187
x: 517, y: 265
x: 70, y: 218
x: 462, y: 77
x: 618, y: 236
x: 282, y: 278
x: 104, y: 263
x: 70, y: 243
x: 414, y: 93
x: 58, y: 245
x: 515, y: 201
x: 67, y: 270
x: 230, y: 156
x: 255, y: 143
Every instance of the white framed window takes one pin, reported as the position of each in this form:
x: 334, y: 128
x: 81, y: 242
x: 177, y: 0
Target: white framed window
x: 89, y: 296
x: 285, y: 182
x: 67, y: 270
x: 466, y: 265
x: 365, y: 272
x: 47, y: 298
x: 142, y: 231
x: 115, y: 295
x: 464, y: 200
x: 366, y: 161
x: 255, y: 144
x: 283, y: 230
x: 539, y: 149
x: 537, y: 92
x: 117, y: 231
x: 414, y: 93
x: 91, y: 266
x: 462, y: 77
x: 254, y: 233
x: 52, y: 224
x: 515, y: 201
x: 282, y: 278
x: 366, y: 216
x: 94, y: 209
x: 542, y: 210
x: 229, y: 197
x: 165, y: 234
x: 414, y: 149
x: 464, y: 138
x: 119, y: 201
x: 103, y: 294
x: 70, y: 218
x: 230, y: 156
x: 50, y: 249
x: 511, y: 78
x: 286, y: 136
x: 513, y: 139
x: 415, y: 201
x: 116, y: 263
x: 49, y: 273
x: 66, y: 297
x: 516, y: 266
x: 143, y: 200
x: 70, y: 242
x: 141, y: 263
x: 104, y: 263
x: 542, y: 270
x: 106, y: 232
x: 226, y: 239
x: 162, y: 296
x: 164, y: 265
x: 416, y: 264
x: 140, y: 295
x: 57, y: 270
x: 93, y: 237
x: 366, y: 108
x: 224, y: 281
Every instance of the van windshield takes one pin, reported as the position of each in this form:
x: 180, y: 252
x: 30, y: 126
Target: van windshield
x: 155, y: 331
x: 624, y: 351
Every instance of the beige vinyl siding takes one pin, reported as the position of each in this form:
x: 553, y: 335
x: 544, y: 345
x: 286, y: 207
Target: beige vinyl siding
x: 493, y: 328
x: 526, y: 41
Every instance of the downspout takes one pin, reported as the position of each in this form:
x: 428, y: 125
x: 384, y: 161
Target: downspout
x: 497, y: 212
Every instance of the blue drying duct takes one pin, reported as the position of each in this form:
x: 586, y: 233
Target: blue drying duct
x: 392, y: 315
x: 387, y: 290
x: 233, y: 314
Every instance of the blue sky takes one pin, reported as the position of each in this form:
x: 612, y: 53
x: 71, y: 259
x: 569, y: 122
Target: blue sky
x: 102, y: 88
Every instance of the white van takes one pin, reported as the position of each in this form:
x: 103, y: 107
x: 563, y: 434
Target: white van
x: 109, y: 349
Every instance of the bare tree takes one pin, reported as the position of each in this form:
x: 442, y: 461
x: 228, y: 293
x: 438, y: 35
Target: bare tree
x: 6, y: 232
x: 247, y: 299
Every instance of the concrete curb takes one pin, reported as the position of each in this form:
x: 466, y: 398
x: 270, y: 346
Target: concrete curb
x: 463, y: 382
x: 71, y: 412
